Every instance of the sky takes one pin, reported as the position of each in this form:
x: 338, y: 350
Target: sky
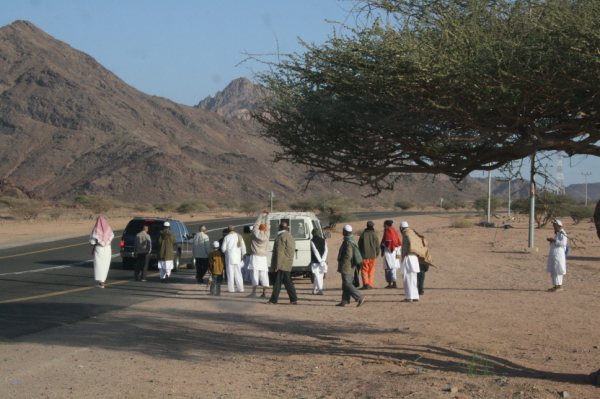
x: 186, y: 50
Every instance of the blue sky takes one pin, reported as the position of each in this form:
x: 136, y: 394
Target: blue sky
x: 183, y: 50
x: 186, y: 50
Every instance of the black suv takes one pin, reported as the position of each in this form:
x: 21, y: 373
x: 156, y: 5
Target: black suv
x: 183, y: 240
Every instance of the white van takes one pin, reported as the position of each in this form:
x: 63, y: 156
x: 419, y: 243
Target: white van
x: 301, y: 225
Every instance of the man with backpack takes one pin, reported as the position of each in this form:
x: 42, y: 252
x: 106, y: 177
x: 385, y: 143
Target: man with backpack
x: 410, y: 262
x: 349, y: 259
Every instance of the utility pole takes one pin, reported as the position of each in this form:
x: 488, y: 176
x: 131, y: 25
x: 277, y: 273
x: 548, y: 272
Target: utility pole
x: 585, y: 176
x: 489, y: 204
x: 271, y: 198
x: 509, y: 198
x: 532, y: 203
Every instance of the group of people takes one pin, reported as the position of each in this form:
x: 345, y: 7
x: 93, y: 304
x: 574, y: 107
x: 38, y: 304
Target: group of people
x: 399, y: 252
x: 235, y: 255
x: 102, y: 236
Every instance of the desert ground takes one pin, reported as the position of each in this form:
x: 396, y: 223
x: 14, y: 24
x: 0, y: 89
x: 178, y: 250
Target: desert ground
x: 485, y: 328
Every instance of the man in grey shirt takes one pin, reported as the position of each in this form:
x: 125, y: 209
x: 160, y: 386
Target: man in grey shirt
x: 143, y: 247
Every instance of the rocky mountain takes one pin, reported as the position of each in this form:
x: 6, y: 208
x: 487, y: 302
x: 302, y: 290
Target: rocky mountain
x: 237, y: 100
x: 69, y: 126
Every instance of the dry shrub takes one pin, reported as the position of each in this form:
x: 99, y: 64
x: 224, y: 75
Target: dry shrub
x: 461, y: 223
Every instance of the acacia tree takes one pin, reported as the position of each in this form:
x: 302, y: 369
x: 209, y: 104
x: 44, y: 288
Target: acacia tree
x: 439, y: 86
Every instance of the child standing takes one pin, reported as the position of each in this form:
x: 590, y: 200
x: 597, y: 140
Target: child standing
x: 216, y: 267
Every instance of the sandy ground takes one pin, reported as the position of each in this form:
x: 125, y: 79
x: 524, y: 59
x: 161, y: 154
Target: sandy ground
x: 485, y: 328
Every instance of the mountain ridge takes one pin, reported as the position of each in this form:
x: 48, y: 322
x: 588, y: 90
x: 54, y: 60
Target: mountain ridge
x: 69, y: 127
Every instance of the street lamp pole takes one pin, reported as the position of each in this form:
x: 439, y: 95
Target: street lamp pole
x: 489, y: 202
x: 585, y: 176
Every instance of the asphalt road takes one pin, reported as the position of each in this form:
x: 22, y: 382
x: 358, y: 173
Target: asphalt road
x: 45, y: 285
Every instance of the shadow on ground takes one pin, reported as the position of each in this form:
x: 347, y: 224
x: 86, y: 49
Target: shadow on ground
x: 200, y: 335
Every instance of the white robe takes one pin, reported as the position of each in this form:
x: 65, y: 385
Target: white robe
x: 165, y: 267
x: 391, y: 260
x: 557, y: 259
x: 410, y: 268
x: 319, y: 268
x: 234, y: 248
x: 102, y: 258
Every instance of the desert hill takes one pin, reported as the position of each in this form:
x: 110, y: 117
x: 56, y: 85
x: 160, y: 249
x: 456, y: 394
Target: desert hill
x: 237, y: 100
x: 69, y: 126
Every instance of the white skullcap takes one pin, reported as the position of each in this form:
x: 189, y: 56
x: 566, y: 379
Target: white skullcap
x: 348, y: 228
x: 216, y: 244
x: 557, y: 222
x: 403, y: 224
x: 166, y: 224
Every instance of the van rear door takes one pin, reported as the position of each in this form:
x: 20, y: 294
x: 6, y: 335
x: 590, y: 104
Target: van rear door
x: 300, y: 230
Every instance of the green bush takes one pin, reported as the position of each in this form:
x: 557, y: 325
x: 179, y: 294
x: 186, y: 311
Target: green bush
x: 335, y: 209
x: 547, y: 207
x: 309, y: 204
x: 55, y: 214
x: 96, y: 204
x: 249, y: 208
x: 449, y: 204
x: 481, y: 204
x: 580, y: 212
x: 190, y: 207
x: 403, y: 204
x: 165, y: 207
x: 26, y: 209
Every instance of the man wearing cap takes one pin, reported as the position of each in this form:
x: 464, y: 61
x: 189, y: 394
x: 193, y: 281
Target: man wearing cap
x: 409, y: 264
x: 346, y: 266
x: 368, y: 243
x: 281, y: 264
x: 390, y: 245
x: 201, y: 249
x: 259, y: 248
x: 166, y: 244
x: 557, y: 258
x: 234, y: 249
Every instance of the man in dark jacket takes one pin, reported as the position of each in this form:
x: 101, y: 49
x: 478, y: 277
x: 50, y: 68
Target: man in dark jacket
x: 368, y: 243
x: 346, y: 269
x: 281, y: 264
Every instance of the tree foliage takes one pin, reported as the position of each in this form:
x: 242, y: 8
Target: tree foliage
x: 446, y: 87
x: 548, y: 206
x: 481, y: 204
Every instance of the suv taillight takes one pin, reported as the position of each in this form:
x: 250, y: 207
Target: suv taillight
x: 122, y: 244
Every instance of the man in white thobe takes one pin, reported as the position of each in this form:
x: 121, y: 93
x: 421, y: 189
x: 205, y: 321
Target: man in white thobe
x: 234, y: 249
x: 409, y: 265
x: 259, y: 249
x: 557, y: 257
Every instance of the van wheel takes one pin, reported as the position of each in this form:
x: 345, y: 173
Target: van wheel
x: 176, y: 262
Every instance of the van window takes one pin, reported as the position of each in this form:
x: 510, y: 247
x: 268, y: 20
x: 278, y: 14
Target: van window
x: 274, y: 229
x: 298, y: 228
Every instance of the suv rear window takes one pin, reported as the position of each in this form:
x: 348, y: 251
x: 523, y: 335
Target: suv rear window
x: 135, y: 226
